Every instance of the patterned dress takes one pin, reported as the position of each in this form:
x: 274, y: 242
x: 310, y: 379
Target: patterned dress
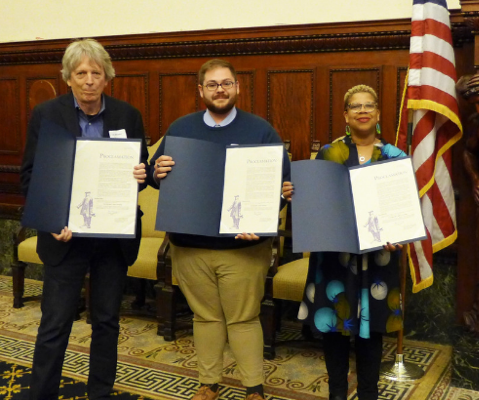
x: 349, y: 293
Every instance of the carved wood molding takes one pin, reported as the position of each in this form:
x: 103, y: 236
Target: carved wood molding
x: 471, y: 21
x: 10, y: 169
x: 385, y: 40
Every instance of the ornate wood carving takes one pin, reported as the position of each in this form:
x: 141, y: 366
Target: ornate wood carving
x: 133, y: 88
x: 316, y: 43
x: 10, y: 169
x: 10, y: 140
x: 291, y: 93
x: 340, y: 81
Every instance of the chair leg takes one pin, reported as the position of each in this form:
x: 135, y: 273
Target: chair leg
x: 18, y: 280
x: 169, y: 297
x: 268, y: 320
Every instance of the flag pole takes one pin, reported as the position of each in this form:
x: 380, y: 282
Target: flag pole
x: 399, y: 370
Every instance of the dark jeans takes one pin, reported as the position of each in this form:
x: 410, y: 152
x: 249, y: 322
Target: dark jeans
x: 368, y: 363
x: 61, y: 293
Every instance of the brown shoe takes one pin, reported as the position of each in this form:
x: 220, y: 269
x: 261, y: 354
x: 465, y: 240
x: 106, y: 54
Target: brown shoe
x: 205, y: 393
x: 254, y: 396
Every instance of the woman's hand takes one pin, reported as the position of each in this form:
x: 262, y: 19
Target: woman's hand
x: 392, y: 247
x: 247, y: 236
x: 288, y: 190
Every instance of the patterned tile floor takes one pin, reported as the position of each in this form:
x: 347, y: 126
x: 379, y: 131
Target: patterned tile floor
x: 167, y: 370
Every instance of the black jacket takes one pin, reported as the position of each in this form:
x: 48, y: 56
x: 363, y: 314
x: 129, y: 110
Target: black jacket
x: 61, y: 111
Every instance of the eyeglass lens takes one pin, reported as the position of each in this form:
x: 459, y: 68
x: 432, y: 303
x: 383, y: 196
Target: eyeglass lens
x: 368, y: 107
x: 225, y: 85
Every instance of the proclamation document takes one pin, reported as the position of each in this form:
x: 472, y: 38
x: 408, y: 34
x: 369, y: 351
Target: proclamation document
x: 252, y: 189
x: 386, y: 203
x: 104, y: 194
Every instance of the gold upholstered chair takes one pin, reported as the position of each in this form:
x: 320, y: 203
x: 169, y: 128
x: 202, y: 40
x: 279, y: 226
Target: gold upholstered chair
x: 284, y: 281
x: 24, y: 253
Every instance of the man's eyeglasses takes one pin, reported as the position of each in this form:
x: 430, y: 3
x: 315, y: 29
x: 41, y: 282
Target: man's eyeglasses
x: 356, y: 107
x: 212, y: 86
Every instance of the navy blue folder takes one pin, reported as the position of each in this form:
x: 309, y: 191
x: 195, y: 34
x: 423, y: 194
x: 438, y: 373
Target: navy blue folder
x: 47, y: 206
x: 48, y: 201
x: 191, y: 195
x: 323, y: 214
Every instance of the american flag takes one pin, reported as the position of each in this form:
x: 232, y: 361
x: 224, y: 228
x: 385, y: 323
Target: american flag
x: 430, y: 95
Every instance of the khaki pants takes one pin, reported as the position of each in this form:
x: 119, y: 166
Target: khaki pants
x: 224, y: 289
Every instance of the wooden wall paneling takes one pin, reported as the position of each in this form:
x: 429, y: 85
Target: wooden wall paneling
x: 246, y: 84
x: 291, y: 108
x: 178, y: 96
x: 340, y: 81
x: 133, y: 88
x: 10, y: 137
x: 40, y: 89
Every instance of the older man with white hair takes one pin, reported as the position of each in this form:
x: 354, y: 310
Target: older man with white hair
x: 85, y: 112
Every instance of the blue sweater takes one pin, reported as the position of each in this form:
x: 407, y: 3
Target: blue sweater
x: 246, y: 128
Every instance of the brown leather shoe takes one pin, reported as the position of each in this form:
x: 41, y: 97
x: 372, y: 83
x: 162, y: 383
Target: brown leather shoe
x: 254, y: 396
x: 205, y: 393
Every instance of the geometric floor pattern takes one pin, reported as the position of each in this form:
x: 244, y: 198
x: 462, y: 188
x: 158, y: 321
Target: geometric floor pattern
x: 151, y: 367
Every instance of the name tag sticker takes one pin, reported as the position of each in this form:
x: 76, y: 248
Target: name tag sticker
x: 120, y: 134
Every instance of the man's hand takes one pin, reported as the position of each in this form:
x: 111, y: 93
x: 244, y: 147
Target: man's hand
x: 64, y: 236
x: 163, y: 166
x: 139, y: 173
x: 247, y: 236
x: 288, y: 190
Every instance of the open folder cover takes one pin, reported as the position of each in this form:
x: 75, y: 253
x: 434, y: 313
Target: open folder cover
x: 355, y: 210
x: 218, y: 190
x: 85, y: 184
